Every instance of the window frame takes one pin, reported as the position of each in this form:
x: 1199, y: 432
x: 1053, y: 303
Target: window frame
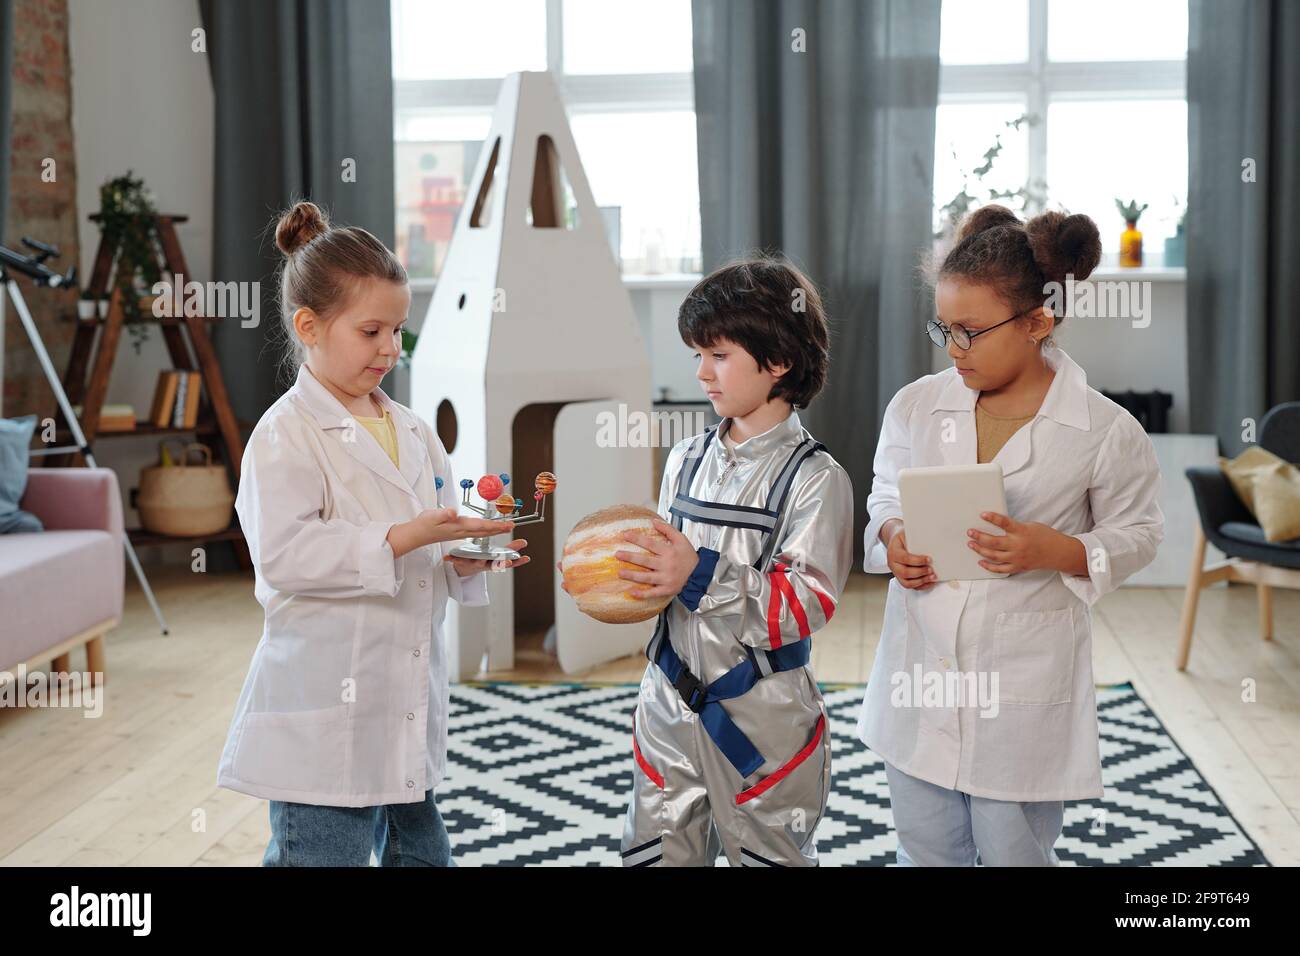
x: 582, y: 93
x: 1040, y: 82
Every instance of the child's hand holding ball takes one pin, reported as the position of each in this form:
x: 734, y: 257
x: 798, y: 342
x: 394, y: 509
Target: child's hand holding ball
x: 668, y: 564
x: 596, y: 573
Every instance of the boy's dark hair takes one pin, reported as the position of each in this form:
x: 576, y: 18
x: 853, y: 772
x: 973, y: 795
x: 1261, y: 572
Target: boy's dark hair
x: 773, y: 311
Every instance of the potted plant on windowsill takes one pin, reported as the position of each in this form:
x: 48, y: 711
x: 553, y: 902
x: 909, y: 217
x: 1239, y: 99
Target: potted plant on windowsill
x: 1176, y: 245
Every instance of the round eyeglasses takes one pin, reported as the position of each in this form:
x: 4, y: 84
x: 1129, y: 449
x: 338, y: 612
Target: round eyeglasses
x: 939, y: 333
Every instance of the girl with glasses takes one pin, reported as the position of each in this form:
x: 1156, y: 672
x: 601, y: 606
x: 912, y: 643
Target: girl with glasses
x: 971, y: 783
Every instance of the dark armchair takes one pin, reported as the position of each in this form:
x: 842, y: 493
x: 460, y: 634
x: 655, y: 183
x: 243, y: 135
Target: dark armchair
x: 1229, y: 526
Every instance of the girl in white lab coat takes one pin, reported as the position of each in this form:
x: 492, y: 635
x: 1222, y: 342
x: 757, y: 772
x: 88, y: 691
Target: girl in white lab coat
x: 347, y: 501
x: 981, y: 699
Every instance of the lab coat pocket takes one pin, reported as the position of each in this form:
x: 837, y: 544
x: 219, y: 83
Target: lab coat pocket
x: 1033, y: 656
x: 303, y: 750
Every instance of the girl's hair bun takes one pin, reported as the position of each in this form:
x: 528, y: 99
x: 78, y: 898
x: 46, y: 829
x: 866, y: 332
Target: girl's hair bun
x: 1064, y: 245
x: 985, y: 218
x: 299, y: 226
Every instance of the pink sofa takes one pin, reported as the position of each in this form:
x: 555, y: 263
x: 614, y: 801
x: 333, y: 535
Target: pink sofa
x: 62, y: 587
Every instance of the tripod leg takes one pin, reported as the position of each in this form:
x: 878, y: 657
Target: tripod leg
x: 144, y: 583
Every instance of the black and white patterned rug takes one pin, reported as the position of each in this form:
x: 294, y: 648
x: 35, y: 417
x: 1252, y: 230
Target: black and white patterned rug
x: 539, y: 774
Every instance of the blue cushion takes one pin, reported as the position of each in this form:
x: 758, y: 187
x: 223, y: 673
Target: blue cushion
x: 15, y: 440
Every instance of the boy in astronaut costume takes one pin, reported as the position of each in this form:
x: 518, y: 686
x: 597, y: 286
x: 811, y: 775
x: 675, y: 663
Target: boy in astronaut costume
x: 730, y: 743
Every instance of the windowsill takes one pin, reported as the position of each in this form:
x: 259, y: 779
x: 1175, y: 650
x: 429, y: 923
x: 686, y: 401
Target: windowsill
x: 669, y: 281
x: 664, y: 280
x: 1144, y: 274
x: 660, y: 281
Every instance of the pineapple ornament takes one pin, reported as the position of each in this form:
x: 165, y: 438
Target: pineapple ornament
x: 1130, y: 241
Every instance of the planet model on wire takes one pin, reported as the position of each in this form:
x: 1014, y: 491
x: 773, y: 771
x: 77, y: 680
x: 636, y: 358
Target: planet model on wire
x: 591, y: 571
x: 497, y: 503
x: 490, y: 486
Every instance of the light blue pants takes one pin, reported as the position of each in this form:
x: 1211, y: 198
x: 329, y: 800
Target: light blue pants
x: 941, y: 827
x: 400, y: 834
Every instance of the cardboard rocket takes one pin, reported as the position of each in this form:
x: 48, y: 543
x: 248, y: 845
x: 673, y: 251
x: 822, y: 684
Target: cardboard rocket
x: 529, y: 345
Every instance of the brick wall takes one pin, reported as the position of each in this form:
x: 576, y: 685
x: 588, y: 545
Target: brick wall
x: 41, y: 129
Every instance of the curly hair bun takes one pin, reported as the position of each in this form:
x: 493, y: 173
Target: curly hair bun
x: 1064, y: 245
x: 299, y: 226
x: 985, y: 218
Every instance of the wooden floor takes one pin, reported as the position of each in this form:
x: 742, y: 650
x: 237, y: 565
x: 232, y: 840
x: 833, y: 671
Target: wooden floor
x: 136, y: 785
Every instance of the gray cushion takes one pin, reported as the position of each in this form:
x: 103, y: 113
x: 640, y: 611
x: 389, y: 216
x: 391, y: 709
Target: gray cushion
x: 15, y: 439
x: 1254, y: 534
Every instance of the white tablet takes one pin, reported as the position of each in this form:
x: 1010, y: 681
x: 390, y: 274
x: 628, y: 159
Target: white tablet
x: 939, y: 504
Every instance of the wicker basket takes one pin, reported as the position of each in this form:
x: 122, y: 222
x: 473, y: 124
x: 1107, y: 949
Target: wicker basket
x: 185, y: 500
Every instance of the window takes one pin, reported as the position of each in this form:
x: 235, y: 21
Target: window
x: 1064, y: 105
x: 624, y: 74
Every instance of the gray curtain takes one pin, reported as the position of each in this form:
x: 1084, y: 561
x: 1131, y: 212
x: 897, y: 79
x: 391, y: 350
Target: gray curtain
x: 300, y: 86
x: 1243, y: 238
x: 6, y: 84
x: 828, y: 156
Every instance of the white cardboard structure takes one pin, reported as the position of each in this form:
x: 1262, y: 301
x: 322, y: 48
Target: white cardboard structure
x: 529, y: 315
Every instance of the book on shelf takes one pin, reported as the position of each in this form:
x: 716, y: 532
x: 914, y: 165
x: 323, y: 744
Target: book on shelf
x: 163, y: 396
x: 178, y: 406
x: 192, y: 400
x: 112, y: 418
x: 176, y: 399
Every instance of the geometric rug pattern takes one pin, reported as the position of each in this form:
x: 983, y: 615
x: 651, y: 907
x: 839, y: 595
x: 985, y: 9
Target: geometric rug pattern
x: 539, y: 775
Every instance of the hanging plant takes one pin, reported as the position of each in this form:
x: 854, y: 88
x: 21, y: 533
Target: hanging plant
x: 128, y: 221
x: 1031, y: 197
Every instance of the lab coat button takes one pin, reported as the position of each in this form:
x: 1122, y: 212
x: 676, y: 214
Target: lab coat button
x: 423, y: 583
x: 410, y: 716
x: 410, y: 785
x: 416, y: 652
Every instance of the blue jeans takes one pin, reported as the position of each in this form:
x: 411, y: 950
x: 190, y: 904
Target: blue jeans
x: 401, y: 834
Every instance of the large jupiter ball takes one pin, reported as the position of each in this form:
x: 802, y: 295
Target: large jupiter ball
x: 591, y: 570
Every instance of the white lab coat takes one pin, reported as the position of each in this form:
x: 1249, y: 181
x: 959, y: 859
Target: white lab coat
x: 1085, y: 467
x: 345, y: 703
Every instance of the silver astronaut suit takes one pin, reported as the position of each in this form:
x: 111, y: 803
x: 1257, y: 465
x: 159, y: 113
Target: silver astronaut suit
x: 731, y: 749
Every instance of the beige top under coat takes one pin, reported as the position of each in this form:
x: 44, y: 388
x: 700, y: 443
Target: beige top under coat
x: 993, y: 431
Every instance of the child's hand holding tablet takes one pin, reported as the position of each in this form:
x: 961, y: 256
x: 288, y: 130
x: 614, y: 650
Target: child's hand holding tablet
x: 958, y: 530
x: 941, y: 505
x: 911, y: 570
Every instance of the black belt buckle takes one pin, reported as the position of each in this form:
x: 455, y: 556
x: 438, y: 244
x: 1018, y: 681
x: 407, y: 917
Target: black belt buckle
x: 692, y: 690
